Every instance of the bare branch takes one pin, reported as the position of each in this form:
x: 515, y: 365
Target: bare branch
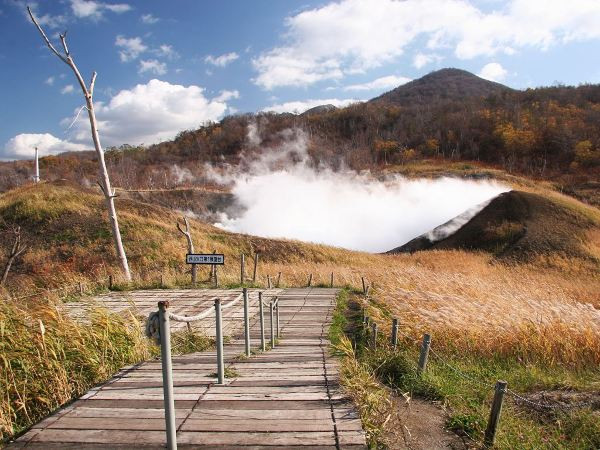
x: 92, y: 82
x: 179, y: 228
x: 101, y: 187
x: 63, y: 40
x: 48, y: 43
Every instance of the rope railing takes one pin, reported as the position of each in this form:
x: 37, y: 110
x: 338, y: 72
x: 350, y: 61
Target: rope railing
x: 500, y: 388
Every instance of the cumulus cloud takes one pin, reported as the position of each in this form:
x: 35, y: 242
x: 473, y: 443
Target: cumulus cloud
x: 166, y: 51
x: 95, y: 10
x: 493, y: 72
x: 68, y: 89
x: 131, y: 47
x: 299, y: 106
x: 389, y: 82
x: 227, y: 95
x: 153, y: 66
x: 149, y: 19
x: 350, y: 36
x: 22, y: 146
x: 420, y: 60
x: 149, y: 113
x: 223, y: 60
x: 50, y: 81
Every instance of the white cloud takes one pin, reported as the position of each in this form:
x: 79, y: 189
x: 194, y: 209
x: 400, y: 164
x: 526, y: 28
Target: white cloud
x: 389, y: 82
x: 50, y: 81
x: 95, y: 10
x: 149, y: 113
x: 149, y: 19
x: 298, y: 107
x: 223, y: 60
x: 493, y: 72
x: 420, y: 60
x: 131, y: 47
x: 22, y: 146
x: 351, y: 36
x: 45, y: 20
x: 68, y: 89
x: 153, y: 66
x: 166, y: 51
x: 227, y: 95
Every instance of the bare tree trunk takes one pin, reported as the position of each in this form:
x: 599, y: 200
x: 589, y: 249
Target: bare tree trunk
x: 36, y: 177
x: 16, y: 250
x: 88, y: 93
x: 188, y: 235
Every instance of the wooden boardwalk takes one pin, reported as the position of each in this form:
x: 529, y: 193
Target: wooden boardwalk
x: 288, y: 397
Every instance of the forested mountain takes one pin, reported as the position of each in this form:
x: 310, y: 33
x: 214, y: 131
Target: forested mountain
x: 550, y: 133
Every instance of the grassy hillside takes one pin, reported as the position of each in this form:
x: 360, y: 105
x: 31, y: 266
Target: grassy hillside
x: 532, y: 323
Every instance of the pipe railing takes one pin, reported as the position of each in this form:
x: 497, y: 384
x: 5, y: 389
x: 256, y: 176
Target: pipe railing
x: 159, y: 328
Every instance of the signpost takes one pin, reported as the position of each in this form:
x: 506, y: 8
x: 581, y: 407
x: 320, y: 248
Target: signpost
x: 205, y: 258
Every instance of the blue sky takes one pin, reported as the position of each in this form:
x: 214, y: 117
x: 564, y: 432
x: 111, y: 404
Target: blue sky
x: 166, y: 66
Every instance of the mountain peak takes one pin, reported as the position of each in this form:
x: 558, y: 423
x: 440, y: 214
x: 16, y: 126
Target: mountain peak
x: 443, y: 84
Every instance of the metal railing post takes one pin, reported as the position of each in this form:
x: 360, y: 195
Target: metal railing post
x: 310, y: 280
x: 167, y: 374
x: 277, y: 318
x: 272, y: 324
x: 278, y: 279
x: 268, y: 281
x: 216, y: 276
x: 492, y: 426
x: 394, y: 333
x: 219, y: 339
x: 262, y: 322
x: 331, y: 283
x: 246, y: 323
x: 424, y: 352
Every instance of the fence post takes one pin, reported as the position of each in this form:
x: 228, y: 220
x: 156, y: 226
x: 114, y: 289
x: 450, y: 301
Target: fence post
x: 331, y: 284
x: 242, y: 268
x: 216, y: 277
x: 162, y: 281
x: 255, y: 267
x: 167, y: 374
x: 364, y: 284
x: 424, y: 352
x: 490, y: 431
x: 367, y: 318
x: 394, y: 333
x: 277, y: 319
x: 110, y: 282
x: 374, y: 335
x: 268, y: 281
x: 246, y: 322
x: 219, y: 339
x: 80, y: 288
x: 272, y: 324
x: 278, y: 279
x: 310, y: 280
x: 262, y: 321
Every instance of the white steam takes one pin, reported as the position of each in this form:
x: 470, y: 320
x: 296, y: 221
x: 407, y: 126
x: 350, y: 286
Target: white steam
x: 281, y: 196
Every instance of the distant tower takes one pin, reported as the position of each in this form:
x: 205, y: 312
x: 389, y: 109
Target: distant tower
x: 36, y: 177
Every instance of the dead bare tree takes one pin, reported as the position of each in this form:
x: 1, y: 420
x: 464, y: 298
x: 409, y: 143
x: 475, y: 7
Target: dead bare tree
x: 188, y: 235
x: 16, y: 250
x: 88, y: 93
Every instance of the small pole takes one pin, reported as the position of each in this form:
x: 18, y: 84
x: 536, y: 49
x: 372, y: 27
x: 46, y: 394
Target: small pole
x: 262, y: 322
x: 272, y: 329
x: 213, y: 268
x: 424, y: 352
x: 110, y: 282
x: 162, y: 281
x: 246, y: 323
x: 278, y: 279
x: 492, y: 426
x: 242, y: 264
x: 374, y: 335
x: 36, y: 177
x: 255, y: 267
x: 219, y: 339
x: 216, y: 277
x: 268, y: 281
x: 394, y: 333
x: 80, y: 288
x: 310, y: 280
x: 367, y: 318
x: 331, y: 284
x: 165, y: 356
x: 364, y: 284
x: 277, y: 318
